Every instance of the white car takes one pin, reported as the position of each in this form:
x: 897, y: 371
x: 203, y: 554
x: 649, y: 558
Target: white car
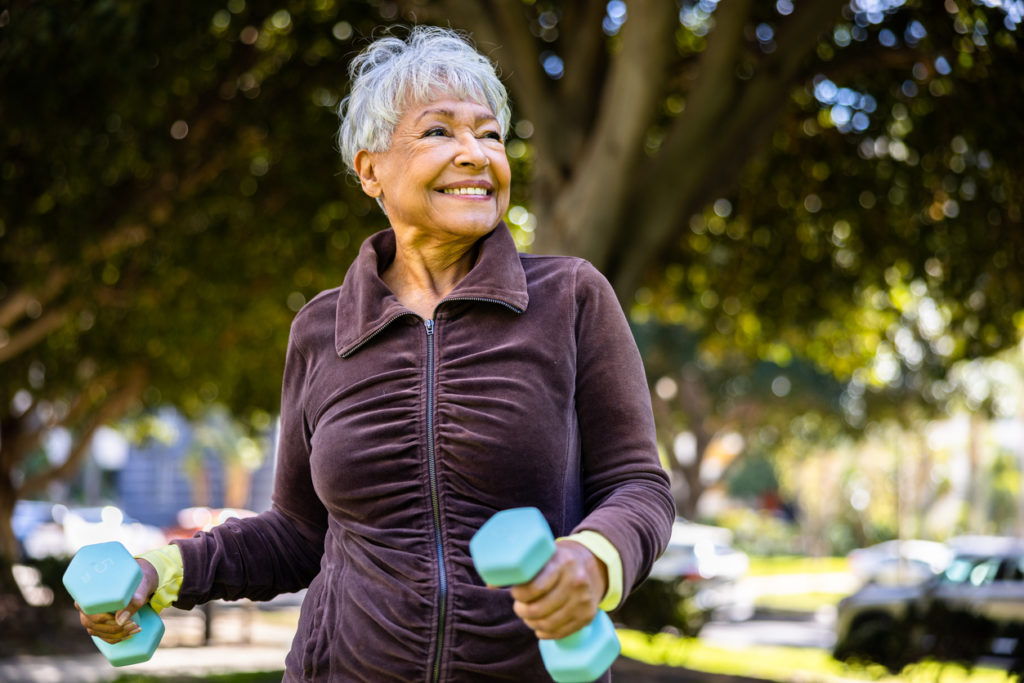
x: 900, y: 562
x: 68, y: 529
x: 700, y: 552
x: 694, y: 577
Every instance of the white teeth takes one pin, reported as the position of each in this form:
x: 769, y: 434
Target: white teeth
x: 465, y: 190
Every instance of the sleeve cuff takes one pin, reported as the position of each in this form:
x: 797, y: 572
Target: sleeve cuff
x: 170, y: 572
x: 606, y: 552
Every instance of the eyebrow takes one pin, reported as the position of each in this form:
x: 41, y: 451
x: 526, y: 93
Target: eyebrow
x: 448, y: 113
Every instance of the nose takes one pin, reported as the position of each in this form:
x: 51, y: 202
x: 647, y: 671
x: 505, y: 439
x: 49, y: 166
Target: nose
x: 471, y: 152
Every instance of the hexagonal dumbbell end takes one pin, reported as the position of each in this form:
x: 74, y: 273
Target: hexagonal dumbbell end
x: 584, y: 655
x: 509, y: 549
x: 102, y: 577
x: 512, y: 546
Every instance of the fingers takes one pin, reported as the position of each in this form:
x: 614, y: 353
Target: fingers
x: 564, y: 596
x: 118, y: 626
x: 107, y: 627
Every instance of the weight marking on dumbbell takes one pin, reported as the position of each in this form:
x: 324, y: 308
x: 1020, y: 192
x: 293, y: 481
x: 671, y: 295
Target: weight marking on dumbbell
x: 100, y: 567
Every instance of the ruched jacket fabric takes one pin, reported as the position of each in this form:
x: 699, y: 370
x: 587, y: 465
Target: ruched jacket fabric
x: 400, y: 437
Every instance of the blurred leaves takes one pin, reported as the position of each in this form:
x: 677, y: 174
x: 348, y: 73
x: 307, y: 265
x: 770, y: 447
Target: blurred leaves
x: 812, y: 209
x: 170, y: 190
x: 879, y: 234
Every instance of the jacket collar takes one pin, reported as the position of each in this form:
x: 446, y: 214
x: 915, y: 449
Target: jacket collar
x: 366, y: 305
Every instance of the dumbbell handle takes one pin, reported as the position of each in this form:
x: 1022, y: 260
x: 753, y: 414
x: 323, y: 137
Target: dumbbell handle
x: 510, y: 549
x: 103, y: 577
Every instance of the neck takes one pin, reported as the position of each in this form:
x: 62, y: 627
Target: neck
x: 423, y: 274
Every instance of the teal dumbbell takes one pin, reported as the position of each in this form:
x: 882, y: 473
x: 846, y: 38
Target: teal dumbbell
x: 508, y: 550
x: 102, y: 577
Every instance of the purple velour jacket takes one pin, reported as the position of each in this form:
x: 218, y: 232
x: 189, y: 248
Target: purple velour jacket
x: 400, y: 437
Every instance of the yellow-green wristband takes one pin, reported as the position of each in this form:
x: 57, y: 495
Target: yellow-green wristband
x: 606, y: 552
x: 170, y: 571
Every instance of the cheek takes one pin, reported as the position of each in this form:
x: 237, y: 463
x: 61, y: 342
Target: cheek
x: 502, y: 171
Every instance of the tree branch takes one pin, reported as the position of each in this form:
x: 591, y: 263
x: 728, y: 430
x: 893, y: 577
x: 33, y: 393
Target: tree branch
x: 669, y: 185
x: 31, y: 334
x: 749, y: 123
x: 113, y: 407
x: 588, y: 212
x: 724, y: 129
x: 586, y: 61
x: 16, y: 306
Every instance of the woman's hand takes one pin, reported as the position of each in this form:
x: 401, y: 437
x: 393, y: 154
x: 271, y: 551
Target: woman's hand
x: 564, y: 596
x: 114, y: 628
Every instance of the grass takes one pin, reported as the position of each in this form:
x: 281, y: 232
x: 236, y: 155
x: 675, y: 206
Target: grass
x: 799, y: 602
x: 810, y: 601
x: 789, y: 664
x: 785, y: 664
x: 792, y: 564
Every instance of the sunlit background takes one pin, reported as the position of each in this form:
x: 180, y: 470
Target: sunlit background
x: 810, y: 211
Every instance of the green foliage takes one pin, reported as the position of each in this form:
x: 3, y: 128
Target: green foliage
x: 878, y: 236
x: 753, y: 478
x: 822, y: 203
x: 761, y: 534
x: 178, y: 188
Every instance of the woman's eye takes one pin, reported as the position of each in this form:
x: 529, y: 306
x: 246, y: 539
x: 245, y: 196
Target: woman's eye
x: 435, y: 132
x: 492, y: 135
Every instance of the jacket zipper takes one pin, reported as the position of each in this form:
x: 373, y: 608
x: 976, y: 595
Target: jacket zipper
x: 486, y: 300
x: 435, y: 503
x: 377, y: 330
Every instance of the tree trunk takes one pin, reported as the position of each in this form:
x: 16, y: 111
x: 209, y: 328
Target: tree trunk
x: 585, y: 216
x: 10, y: 594
x: 17, y: 441
x: 976, y: 503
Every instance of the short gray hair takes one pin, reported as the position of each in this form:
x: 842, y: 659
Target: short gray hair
x: 392, y: 73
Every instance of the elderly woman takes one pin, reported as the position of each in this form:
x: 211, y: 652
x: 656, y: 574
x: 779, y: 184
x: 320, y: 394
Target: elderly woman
x: 449, y: 377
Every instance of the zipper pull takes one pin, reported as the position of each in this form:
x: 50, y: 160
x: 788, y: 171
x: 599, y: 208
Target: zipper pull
x: 429, y: 324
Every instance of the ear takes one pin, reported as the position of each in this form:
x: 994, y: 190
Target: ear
x: 365, y: 165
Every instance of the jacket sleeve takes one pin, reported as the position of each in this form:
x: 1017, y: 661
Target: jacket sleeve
x: 626, y: 491
x: 279, y: 550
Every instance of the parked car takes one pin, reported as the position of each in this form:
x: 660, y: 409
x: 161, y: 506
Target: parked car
x: 693, y: 578
x: 699, y: 552
x: 905, y: 561
x: 973, y: 609
x: 55, y: 530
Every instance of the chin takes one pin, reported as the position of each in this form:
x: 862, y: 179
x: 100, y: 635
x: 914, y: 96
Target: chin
x: 477, y: 228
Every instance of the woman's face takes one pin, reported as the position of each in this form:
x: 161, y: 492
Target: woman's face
x: 445, y: 175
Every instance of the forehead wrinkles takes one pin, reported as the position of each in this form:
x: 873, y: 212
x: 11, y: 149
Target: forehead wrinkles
x: 478, y: 115
x: 412, y: 100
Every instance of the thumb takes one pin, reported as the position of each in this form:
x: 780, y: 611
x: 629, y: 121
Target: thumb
x: 143, y: 592
x: 125, y: 613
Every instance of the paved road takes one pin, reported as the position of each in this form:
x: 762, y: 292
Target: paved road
x: 817, y: 633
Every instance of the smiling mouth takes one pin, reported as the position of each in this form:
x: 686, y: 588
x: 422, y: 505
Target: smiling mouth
x: 467, y: 191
